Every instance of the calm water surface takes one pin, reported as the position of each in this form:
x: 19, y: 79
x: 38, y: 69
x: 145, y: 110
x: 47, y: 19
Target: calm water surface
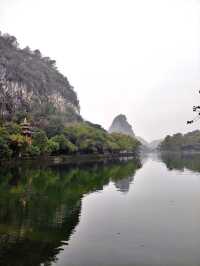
x: 128, y: 213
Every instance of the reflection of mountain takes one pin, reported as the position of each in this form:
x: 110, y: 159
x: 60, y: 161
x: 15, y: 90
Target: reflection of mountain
x: 40, y: 207
x: 124, y: 184
x: 179, y: 161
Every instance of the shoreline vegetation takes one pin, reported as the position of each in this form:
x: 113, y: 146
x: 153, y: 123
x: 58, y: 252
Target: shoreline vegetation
x: 189, y: 142
x: 76, y: 140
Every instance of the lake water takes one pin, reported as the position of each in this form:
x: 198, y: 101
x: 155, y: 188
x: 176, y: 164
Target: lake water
x: 127, y: 213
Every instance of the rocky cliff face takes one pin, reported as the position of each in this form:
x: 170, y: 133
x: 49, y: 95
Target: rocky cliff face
x: 31, y: 85
x: 121, y: 125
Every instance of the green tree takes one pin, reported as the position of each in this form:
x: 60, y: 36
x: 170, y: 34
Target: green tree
x: 52, y: 146
x: 63, y: 144
x: 40, y: 140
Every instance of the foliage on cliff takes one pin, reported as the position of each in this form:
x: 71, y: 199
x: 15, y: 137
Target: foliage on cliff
x: 32, y: 86
x: 180, y: 142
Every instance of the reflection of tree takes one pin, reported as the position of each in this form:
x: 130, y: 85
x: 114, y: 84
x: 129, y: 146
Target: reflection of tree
x: 179, y: 161
x: 40, y: 206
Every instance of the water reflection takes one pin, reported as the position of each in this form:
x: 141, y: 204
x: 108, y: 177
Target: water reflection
x: 180, y: 161
x: 123, y: 184
x: 41, y: 206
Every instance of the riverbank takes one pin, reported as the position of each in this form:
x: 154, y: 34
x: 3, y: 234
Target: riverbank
x: 68, y: 159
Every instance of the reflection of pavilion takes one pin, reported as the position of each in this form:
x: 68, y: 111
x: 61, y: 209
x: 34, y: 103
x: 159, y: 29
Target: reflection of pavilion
x: 33, y: 234
x: 25, y: 244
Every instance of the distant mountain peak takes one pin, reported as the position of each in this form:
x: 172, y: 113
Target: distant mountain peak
x: 121, y: 125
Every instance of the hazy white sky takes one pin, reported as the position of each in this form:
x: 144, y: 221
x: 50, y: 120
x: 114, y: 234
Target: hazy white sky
x: 136, y: 57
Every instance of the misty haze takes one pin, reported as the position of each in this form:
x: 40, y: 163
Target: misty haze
x: 99, y: 132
